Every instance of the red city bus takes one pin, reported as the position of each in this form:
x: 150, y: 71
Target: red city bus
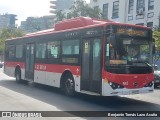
x: 85, y: 55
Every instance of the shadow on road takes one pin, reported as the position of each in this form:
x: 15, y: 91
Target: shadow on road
x: 80, y: 102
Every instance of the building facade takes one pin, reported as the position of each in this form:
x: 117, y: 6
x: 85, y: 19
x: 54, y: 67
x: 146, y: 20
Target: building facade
x: 7, y: 21
x: 141, y: 12
x: 64, y: 4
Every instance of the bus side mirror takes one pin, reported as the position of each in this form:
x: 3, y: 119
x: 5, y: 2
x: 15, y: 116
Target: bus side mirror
x: 153, y: 47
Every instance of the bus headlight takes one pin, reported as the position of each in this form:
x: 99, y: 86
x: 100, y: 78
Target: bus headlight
x: 149, y: 84
x: 115, y: 85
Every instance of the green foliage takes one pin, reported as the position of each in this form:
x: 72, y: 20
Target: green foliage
x: 156, y: 36
x: 60, y: 15
x: 1, y: 45
x: 79, y: 8
x: 8, y: 34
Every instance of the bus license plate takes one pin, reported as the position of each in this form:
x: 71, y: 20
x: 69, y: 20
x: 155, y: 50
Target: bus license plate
x: 135, y: 92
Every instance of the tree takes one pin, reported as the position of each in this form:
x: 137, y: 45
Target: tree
x: 94, y: 12
x: 60, y: 15
x: 156, y: 36
x: 8, y: 34
x: 81, y: 8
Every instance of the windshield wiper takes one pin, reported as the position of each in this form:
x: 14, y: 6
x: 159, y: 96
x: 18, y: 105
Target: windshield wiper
x: 143, y: 62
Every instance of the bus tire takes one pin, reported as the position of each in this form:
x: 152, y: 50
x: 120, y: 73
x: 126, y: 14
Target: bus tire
x: 69, y: 85
x: 18, y: 75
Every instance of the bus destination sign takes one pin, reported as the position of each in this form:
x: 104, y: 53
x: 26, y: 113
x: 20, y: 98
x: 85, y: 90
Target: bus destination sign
x: 132, y: 32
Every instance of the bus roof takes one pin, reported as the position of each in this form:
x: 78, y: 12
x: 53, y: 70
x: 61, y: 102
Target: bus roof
x: 69, y: 24
x: 75, y: 23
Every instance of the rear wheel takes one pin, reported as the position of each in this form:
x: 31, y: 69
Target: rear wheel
x: 18, y: 75
x: 68, y: 85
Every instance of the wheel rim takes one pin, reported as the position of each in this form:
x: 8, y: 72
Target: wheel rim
x: 69, y: 85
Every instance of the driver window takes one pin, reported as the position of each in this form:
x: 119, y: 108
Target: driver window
x: 117, y: 52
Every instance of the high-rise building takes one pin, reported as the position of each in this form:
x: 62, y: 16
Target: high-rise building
x: 64, y: 4
x: 7, y: 21
x: 140, y: 12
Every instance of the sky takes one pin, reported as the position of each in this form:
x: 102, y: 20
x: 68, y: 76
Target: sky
x: 25, y: 8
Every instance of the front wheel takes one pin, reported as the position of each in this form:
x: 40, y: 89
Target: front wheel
x: 18, y: 76
x: 69, y: 88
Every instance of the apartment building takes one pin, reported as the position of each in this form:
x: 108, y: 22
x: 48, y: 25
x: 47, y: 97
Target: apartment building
x: 7, y: 21
x: 141, y: 12
x: 64, y: 4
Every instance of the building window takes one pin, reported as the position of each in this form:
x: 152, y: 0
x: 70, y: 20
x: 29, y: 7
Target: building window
x: 41, y: 50
x: 150, y: 4
x: 140, y: 4
x: 130, y: 7
x: 105, y: 11
x: 19, y: 51
x: 150, y: 15
x: 115, y: 9
x: 53, y: 49
x: 130, y: 18
x: 150, y: 24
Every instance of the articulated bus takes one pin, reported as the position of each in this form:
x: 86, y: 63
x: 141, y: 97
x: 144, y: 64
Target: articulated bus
x: 84, y: 55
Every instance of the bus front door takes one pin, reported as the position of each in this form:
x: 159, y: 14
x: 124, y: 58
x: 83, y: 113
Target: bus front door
x: 91, y: 77
x: 29, y: 69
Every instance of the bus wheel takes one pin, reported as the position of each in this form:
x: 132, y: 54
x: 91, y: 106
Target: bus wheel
x: 18, y: 75
x: 69, y: 86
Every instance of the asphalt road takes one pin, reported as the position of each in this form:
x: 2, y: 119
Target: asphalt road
x: 27, y: 97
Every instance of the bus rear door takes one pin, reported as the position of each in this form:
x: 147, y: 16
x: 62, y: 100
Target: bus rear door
x: 91, y: 65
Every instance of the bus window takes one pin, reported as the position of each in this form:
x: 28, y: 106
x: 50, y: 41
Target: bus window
x: 70, y: 51
x: 41, y: 50
x: 19, y: 51
x: 70, y: 47
x: 11, y: 50
x: 96, y: 59
x: 53, y: 49
x: 128, y: 51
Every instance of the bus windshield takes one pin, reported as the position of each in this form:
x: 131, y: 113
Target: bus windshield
x: 128, y: 53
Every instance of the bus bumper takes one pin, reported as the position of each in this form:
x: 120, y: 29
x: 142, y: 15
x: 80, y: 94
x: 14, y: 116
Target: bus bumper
x: 108, y: 91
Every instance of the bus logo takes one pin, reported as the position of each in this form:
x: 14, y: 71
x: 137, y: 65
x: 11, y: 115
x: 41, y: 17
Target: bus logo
x: 135, y: 84
x: 125, y: 83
